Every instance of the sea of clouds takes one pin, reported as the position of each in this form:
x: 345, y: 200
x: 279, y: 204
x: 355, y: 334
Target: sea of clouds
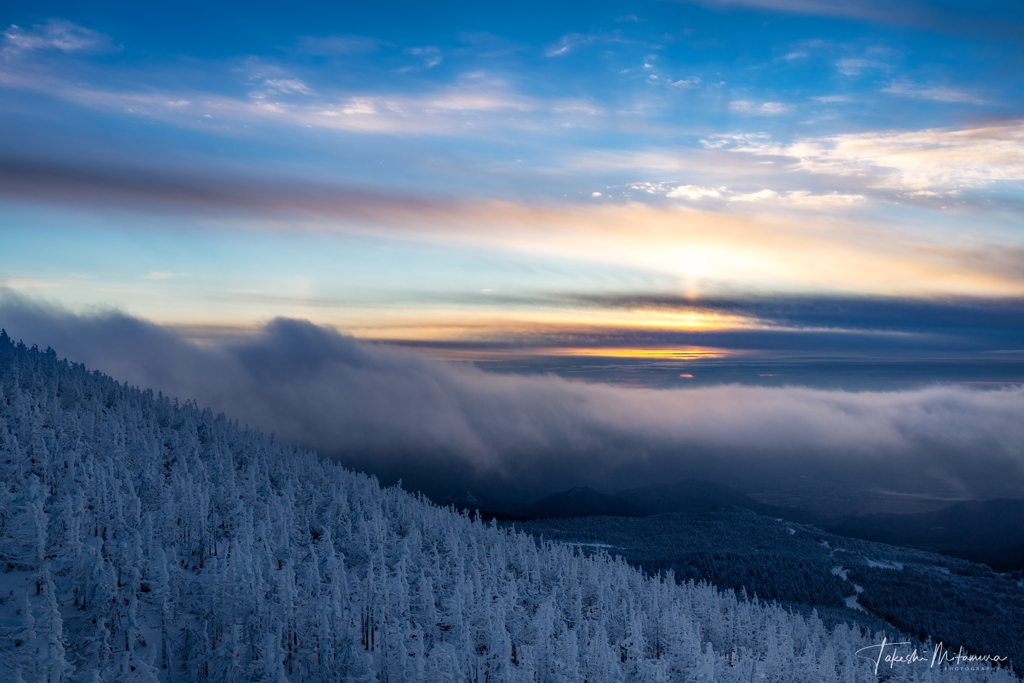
x: 444, y: 427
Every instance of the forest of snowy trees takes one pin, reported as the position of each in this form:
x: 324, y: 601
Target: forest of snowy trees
x: 146, y: 540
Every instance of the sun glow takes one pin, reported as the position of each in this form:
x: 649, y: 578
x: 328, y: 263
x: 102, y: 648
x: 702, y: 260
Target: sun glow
x: 674, y: 353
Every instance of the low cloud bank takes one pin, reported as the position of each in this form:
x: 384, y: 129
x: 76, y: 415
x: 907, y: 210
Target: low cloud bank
x: 442, y: 427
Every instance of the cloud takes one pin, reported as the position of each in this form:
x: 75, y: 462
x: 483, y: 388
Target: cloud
x: 566, y: 44
x: 442, y: 427
x: 831, y: 199
x: 800, y: 198
x: 931, y: 92
x: 287, y: 86
x: 472, y: 106
x: 864, y: 9
x: 734, y: 140
x: 569, y: 42
x: 705, y: 249
x: 55, y: 34
x: 430, y: 56
x: 857, y: 66
x: 688, y: 82
x: 693, y: 192
x: 962, y: 323
x: 754, y: 196
x: 933, y: 158
x: 762, y: 109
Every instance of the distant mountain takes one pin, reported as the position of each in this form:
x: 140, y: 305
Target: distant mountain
x: 467, y: 500
x: 989, y: 532
x: 582, y: 501
x: 693, y: 494
x: 479, y: 505
x: 689, y: 494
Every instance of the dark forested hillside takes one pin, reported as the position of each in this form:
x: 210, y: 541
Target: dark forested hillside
x: 687, y: 494
x: 881, y: 587
x: 581, y: 502
x: 146, y: 540
x: 990, y: 531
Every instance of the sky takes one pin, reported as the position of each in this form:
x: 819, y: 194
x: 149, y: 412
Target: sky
x: 718, y: 194
x: 696, y: 181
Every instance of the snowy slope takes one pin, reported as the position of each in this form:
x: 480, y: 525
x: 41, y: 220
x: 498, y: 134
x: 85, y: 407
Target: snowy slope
x: 146, y: 540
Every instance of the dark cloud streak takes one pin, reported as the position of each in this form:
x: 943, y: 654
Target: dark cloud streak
x: 821, y: 324
x: 193, y: 192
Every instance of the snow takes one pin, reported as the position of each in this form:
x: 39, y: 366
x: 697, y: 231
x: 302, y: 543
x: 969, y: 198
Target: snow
x: 883, y: 565
x: 851, y: 601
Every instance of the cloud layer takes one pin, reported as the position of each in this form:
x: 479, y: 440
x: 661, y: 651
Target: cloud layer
x: 443, y: 427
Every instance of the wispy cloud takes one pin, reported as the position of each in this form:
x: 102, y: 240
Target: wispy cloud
x: 758, y: 108
x: 566, y: 44
x: 55, y: 34
x: 936, y: 158
x: 798, y: 198
x: 784, y: 245
x: 288, y: 86
x: 855, y: 66
x: 694, y: 192
x: 938, y: 93
x: 757, y: 196
x: 430, y: 56
x: 830, y: 199
x: 861, y: 9
x: 571, y: 41
x: 466, y: 107
x: 688, y: 82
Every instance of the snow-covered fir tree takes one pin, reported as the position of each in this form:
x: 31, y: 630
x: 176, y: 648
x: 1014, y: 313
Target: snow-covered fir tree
x: 143, y: 540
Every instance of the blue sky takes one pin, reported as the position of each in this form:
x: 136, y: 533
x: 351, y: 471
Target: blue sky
x: 640, y: 180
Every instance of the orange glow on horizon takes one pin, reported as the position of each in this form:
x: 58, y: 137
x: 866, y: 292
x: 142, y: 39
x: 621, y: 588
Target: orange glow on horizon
x: 676, y: 353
